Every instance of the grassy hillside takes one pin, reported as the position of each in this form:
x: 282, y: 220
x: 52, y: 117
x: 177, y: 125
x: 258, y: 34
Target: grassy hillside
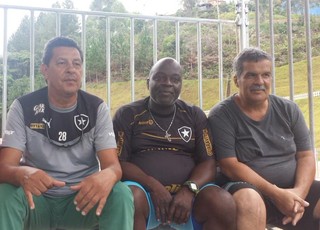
x: 121, y: 93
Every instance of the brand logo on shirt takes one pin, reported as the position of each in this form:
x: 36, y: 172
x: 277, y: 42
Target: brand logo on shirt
x: 37, y: 126
x: 8, y: 132
x: 148, y: 122
x: 47, y: 122
x: 81, y: 121
x: 38, y: 109
x: 120, y: 142
x: 185, y: 133
x: 207, y: 142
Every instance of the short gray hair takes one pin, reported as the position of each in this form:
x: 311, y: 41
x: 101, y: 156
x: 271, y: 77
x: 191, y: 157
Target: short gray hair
x: 251, y: 54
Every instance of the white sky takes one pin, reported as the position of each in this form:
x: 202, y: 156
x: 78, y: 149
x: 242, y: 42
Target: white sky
x: 148, y: 7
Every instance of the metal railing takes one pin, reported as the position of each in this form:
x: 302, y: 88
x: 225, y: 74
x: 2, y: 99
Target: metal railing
x: 198, y: 22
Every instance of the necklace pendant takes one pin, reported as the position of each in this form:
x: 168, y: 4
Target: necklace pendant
x: 168, y: 136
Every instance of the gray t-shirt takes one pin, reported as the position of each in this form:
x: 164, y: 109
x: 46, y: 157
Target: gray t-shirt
x: 70, y: 164
x: 268, y: 146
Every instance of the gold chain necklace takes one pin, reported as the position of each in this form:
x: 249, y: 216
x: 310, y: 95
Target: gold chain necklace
x: 167, y: 135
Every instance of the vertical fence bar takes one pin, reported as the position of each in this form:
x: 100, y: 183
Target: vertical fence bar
x: 221, y: 85
x: 155, y: 41
x: 290, y: 50
x: 273, y: 87
x: 5, y: 64
x: 243, y: 27
x: 178, y: 41
x: 199, y: 54
x: 309, y: 66
x: 83, y: 47
x: 257, y: 26
x: 132, y: 58
x: 32, y: 52
x: 108, y: 61
x: 58, y: 24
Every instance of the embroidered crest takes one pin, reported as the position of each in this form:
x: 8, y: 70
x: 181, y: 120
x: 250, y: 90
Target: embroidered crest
x: 81, y: 121
x: 185, y: 133
x: 38, y: 108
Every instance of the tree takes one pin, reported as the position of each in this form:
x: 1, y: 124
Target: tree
x: 143, y: 47
x: 96, y: 41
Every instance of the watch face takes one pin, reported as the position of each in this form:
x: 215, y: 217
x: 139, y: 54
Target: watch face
x: 193, y: 186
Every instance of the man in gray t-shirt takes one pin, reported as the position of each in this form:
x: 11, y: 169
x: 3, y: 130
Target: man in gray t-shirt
x: 263, y: 148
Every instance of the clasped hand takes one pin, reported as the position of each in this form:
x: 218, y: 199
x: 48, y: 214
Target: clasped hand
x: 172, y: 208
x: 291, y: 205
x: 93, y: 190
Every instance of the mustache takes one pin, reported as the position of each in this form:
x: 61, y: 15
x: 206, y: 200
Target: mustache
x: 258, y: 87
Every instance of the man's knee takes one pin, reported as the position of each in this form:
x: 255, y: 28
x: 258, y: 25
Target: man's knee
x: 249, y: 200
x: 140, y: 200
x: 121, y: 189
x: 212, y: 197
x: 122, y: 195
x: 215, y: 202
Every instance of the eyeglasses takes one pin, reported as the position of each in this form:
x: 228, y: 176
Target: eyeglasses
x: 65, y: 144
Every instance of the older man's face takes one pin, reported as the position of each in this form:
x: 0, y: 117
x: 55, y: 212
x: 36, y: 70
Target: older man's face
x: 165, y: 83
x: 255, y: 81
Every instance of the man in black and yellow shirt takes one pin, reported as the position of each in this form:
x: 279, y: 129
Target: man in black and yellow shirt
x: 166, y: 153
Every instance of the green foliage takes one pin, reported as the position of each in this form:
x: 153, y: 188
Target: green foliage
x: 19, y: 63
x: 20, y: 40
x: 143, y: 47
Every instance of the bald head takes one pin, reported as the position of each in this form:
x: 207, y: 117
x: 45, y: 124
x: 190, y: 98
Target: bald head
x: 162, y: 63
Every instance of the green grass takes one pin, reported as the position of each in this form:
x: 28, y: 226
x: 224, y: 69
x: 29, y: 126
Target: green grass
x: 121, y: 91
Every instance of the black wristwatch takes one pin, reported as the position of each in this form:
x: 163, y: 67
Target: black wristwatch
x: 192, y: 187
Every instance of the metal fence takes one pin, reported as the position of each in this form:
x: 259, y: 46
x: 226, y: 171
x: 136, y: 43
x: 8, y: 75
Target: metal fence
x: 241, y: 23
x: 83, y: 15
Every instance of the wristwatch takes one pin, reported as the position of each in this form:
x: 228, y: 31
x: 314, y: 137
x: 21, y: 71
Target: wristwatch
x: 192, y: 186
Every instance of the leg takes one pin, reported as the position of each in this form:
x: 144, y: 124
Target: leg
x: 214, y: 208
x: 312, y: 214
x: 119, y: 210
x: 141, y: 208
x: 116, y: 214
x: 251, y: 211
x: 15, y: 213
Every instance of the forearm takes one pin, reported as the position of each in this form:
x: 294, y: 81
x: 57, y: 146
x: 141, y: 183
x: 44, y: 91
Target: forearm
x: 203, y: 173
x: 14, y: 174
x: 110, y: 165
x: 305, y: 172
x: 113, y: 173
x: 10, y: 169
x: 241, y: 172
